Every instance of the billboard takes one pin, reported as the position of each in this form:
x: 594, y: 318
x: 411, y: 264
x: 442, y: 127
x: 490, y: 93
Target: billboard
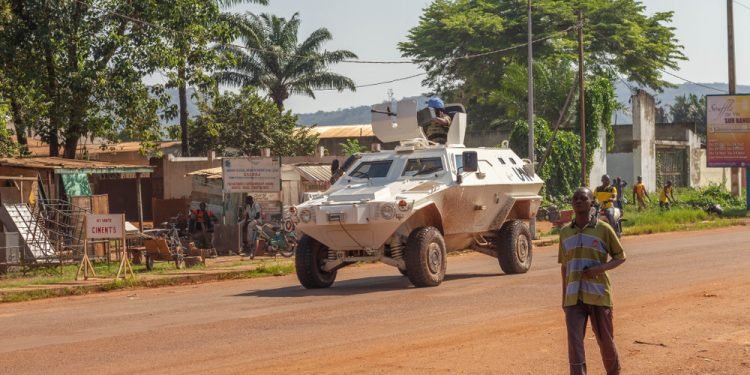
x: 728, y: 130
x: 251, y: 175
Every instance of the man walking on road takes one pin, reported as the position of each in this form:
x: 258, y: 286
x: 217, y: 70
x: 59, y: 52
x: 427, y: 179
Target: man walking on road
x: 588, y: 248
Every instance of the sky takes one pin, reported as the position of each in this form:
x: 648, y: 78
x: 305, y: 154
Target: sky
x: 372, y: 29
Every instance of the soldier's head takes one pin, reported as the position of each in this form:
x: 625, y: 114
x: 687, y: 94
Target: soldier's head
x: 436, y: 104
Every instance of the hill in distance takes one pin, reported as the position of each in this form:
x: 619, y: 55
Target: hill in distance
x: 361, y: 114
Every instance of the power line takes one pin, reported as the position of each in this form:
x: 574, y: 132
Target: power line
x: 466, y: 57
x: 695, y: 83
x: 380, y: 83
x: 742, y: 5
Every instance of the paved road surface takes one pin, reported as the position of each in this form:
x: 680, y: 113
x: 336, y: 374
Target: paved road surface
x: 680, y: 307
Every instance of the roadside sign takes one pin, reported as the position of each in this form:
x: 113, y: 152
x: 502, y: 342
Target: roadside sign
x: 251, y: 175
x: 99, y: 226
x: 728, y: 130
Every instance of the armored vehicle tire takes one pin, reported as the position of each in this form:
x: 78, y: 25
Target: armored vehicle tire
x: 514, y: 247
x: 310, y: 256
x: 425, y: 257
x: 403, y: 272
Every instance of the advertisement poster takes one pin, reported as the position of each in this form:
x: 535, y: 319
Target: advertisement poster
x: 251, y: 175
x: 728, y: 130
x: 104, y: 226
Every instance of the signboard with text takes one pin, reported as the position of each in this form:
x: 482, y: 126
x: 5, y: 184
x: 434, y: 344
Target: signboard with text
x: 728, y: 130
x: 110, y: 226
x: 251, y: 175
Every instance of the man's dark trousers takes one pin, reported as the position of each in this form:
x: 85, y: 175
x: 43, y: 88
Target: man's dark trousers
x: 601, y: 322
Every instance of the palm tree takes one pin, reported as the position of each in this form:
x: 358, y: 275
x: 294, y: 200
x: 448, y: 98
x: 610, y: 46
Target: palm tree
x: 273, y: 61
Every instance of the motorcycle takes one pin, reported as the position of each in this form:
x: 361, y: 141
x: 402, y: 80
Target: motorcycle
x: 275, y: 239
x: 601, y: 214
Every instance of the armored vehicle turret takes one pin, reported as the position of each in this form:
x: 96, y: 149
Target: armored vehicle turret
x: 408, y: 207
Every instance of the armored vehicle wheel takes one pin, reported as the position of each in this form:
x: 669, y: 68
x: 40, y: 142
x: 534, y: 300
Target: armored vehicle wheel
x: 513, y: 246
x: 425, y: 257
x: 310, y: 256
x: 403, y: 272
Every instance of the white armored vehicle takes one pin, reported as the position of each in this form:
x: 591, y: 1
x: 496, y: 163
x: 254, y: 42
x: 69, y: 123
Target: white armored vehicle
x: 408, y: 207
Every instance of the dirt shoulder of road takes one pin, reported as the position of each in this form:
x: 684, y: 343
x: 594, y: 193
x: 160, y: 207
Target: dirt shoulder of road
x: 217, y: 269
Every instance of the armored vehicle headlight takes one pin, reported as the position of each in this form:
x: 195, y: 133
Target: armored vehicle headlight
x: 305, y: 216
x: 403, y: 205
x: 388, y: 211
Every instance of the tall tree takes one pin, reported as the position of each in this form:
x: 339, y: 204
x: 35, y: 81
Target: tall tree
x: 190, y: 27
x: 248, y: 123
x: 272, y: 59
x: 690, y: 109
x: 86, y: 60
x: 465, y: 45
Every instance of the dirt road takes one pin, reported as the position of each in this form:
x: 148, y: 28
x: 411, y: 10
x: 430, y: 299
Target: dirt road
x: 681, y: 307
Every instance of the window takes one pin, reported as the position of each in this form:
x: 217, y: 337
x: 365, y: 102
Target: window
x: 459, y: 162
x: 422, y: 166
x: 372, y: 169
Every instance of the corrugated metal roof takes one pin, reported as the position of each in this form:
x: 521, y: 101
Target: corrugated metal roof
x: 209, y: 174
x: 318, y: 173
x: 344, y: 131
x: 38, y: 148
x: 315, y: 173
x: 65, y: 166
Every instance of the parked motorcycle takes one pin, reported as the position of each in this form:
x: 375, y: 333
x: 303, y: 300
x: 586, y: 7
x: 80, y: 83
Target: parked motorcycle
x: 601, y: 214
x: 275, y: 239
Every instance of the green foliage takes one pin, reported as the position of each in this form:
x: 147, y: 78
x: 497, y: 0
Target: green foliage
x: 274, y: 61
x: 351, y: 147
x: 690, y: 109
x: 600, y: 102
x: 553, y: 78
x: 84, y: 62
x: 562, y: 171
x: 712, y: 194
x: 619, y: 37
x: 248, y: 123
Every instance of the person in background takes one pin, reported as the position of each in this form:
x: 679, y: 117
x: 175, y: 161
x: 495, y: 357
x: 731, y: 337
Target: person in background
x: 588, y: 249
x: 666, y: 196
x: 640, y: 194
x: 620, y: 184
x: 437, y: 129
x: 202, y: 225
x: 605, y: 194
x: 250, y: 215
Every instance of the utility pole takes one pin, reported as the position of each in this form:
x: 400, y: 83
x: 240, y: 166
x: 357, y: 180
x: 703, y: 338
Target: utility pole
x: 735, y: 174
x: 530, y: 109
x: 581, y: 105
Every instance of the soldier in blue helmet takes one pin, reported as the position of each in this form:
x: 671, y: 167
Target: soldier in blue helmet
x: 437, y: 129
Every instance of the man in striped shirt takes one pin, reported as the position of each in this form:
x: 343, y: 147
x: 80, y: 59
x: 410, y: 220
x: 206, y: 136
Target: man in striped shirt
x: 588, y: 248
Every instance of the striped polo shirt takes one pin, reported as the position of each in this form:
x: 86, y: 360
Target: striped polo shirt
x: 583, y: 248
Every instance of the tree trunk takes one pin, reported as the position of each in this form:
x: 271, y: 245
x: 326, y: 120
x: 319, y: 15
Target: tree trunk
x: 54, y: 110
x: 80, y: 95
x: 182, y: 90
x: 18, y: 121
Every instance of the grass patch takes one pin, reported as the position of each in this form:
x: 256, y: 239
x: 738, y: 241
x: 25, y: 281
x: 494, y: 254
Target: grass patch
x: 678, y: 219
x: 40, y: 277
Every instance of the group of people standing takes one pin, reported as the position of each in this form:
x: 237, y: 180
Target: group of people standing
x: 615, y: 189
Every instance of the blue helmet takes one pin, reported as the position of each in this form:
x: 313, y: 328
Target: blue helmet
x: 435, y: 102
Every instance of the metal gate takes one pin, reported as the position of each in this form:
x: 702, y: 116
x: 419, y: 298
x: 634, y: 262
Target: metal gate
x: 672, y: 165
